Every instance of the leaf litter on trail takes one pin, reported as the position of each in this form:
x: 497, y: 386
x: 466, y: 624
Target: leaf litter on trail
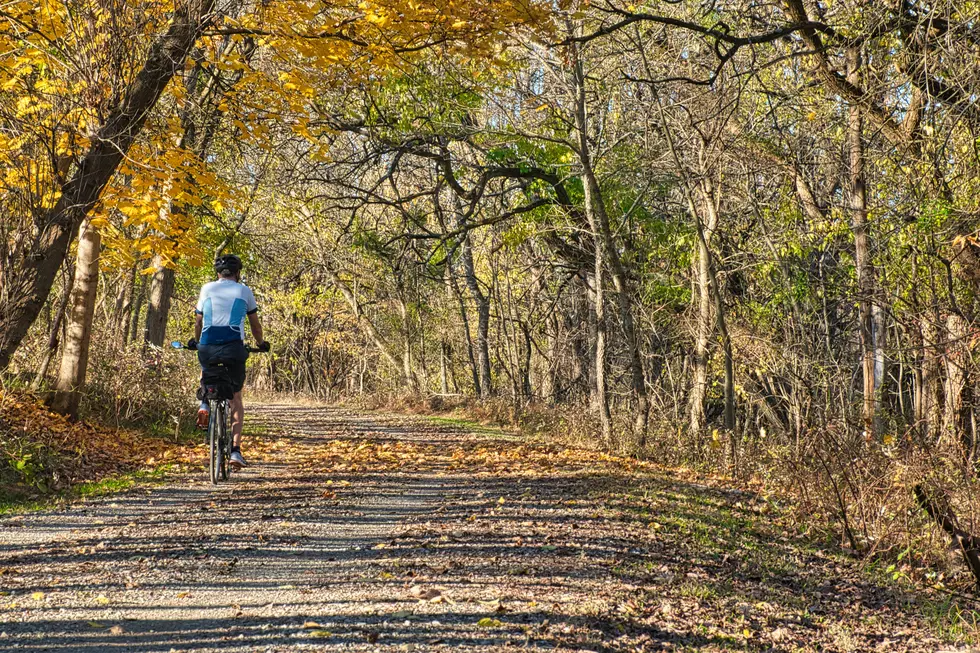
x: 501, y: 458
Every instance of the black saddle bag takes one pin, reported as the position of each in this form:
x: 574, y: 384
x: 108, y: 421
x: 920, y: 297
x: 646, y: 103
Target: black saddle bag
x: 215, y: 384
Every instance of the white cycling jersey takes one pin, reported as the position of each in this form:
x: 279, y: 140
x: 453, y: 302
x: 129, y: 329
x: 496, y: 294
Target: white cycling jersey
x: 224, y: 304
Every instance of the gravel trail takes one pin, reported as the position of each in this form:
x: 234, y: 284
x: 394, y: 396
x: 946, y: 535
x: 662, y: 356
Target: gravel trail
x: 412, y: 549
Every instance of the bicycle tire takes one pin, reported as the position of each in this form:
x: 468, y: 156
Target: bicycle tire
x: 214, y: 442
x: 225, y: 443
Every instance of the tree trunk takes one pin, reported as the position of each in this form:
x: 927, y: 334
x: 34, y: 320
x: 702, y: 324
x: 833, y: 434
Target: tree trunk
x: 480, y: 299
x: 74, y: 360
x: 139, y: 297
x: 580, y: 322
x: 857, y: 196
x: 464, y: 314
x: 623, y: 300
x: 54, y: 336
x: 702, y: 339
x: 549, y: 384
x: 929, y: 393
x: 158, y: 303
x: 443, y: 371
x: 705, y: 231
x: 590, y: 203
x: 408, y: 367
x: 27, y: 287
x: 957, y: 422
x: 124, y: 308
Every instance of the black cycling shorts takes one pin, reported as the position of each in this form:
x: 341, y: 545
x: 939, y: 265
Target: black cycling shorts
x: 226, y: 360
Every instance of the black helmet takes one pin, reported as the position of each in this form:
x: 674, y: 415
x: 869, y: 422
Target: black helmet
x: 228, y: 265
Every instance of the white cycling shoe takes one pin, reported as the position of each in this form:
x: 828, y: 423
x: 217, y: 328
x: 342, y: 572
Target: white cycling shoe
x: 236, y: 460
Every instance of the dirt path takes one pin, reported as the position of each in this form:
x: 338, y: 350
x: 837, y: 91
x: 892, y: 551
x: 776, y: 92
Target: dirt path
x: 366, y: 532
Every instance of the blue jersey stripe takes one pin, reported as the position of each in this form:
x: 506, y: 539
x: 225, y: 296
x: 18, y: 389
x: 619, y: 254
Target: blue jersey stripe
x: 220, y: 335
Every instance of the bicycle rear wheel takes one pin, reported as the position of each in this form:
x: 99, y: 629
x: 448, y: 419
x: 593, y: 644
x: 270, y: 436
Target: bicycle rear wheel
x: 225, y: 443
x: 215, y: 429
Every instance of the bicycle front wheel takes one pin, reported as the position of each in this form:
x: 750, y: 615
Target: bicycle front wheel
x: 215, y: 430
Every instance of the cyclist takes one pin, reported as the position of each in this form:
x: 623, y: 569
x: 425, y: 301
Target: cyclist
x: 219, y: 330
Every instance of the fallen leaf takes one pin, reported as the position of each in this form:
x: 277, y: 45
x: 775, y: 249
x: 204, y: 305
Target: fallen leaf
x: 96, y: 624
x: 311, y: 624
x: 320, y: 633
x: 37, y: 596
x: 489, y: 622
x: 102, y: 599
x: 401, y: 614
x: 425, y: 594
x: 183, y: 595
x: 117, y: 630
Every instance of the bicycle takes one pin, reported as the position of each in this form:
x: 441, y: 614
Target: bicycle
x: 217, y: 394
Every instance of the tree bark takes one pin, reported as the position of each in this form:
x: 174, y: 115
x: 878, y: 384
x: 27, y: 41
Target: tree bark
x: 139, y: 298
x: 464, y: 315
x: 124, y: 308
x: 74, y: 360
x: 54, y: 336
x: 929, y: 393
x: 712, y: 207
x: 481, y: 300
x: 957, y: 422
x: 26, y: 286
x: 858, y: 201
x: 704, y: 328
x: 158, y: 303
x: 443, y: 367
x: 590, y: 202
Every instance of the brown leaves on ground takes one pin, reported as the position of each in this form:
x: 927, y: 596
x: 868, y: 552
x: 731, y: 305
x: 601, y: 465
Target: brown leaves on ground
x: 503, y: 458
x: 42, y: 451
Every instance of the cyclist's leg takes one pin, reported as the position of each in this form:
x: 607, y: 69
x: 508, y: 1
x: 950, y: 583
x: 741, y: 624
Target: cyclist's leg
x: 203, y: 409
x: 237, y: 419
x: 236, y: 373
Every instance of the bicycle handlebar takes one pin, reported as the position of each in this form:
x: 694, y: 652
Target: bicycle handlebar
x: 192, y: 345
